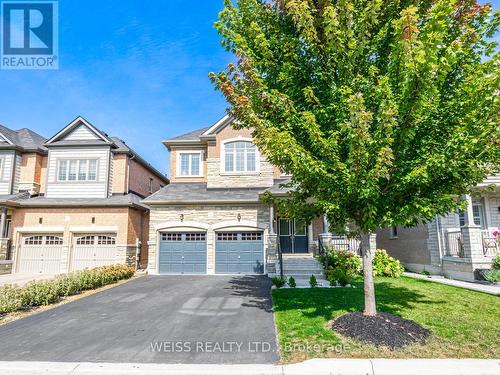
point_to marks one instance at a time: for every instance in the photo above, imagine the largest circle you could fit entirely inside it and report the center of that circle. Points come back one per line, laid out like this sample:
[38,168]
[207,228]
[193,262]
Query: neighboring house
[21,157]
[83,207]
[454,245]
[211,218]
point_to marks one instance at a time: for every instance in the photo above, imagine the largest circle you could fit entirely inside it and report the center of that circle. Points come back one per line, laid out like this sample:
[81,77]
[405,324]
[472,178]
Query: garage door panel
[239,252]
[93,250]
[41,253]
[183,253]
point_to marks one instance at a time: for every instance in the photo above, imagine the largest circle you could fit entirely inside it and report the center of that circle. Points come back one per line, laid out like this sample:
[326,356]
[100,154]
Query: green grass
[463,323]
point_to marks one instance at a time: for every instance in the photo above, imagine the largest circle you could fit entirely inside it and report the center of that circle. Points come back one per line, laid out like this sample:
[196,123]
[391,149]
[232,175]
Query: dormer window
[77,170]
[240,156]
[189,164]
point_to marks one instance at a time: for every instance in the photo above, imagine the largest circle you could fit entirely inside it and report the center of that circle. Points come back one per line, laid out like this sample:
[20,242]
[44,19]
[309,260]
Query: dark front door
[293,236]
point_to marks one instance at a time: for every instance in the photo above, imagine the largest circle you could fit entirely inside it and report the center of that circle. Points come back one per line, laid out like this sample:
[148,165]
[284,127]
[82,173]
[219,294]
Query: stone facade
[208,218]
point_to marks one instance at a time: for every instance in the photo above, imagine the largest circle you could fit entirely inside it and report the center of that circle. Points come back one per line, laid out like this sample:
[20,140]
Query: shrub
[344,259]
[291,282]
[426,273]
[279,282]
[312,281]
[11,299]
[39,293]
[493,276]
[496,263]
[341,276]
[385,265]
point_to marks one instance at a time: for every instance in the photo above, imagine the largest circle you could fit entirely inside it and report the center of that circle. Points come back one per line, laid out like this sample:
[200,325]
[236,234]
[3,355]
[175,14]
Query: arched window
[240,156]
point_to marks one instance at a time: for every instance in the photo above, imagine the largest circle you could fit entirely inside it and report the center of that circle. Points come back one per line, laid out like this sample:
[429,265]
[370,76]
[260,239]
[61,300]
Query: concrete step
[302,272]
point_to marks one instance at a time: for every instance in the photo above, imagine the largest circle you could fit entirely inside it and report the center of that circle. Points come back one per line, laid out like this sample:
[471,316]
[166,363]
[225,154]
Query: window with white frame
[150,185]
[77,170]
[240,156]
[189,164]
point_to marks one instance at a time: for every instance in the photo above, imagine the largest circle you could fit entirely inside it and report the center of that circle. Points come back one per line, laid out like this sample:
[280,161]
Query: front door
[293,236]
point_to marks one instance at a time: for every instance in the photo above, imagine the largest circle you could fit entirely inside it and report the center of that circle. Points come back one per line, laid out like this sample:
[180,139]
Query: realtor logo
[29,37]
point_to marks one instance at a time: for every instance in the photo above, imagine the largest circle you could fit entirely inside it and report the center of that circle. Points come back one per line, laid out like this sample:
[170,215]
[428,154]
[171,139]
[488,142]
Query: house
[76,202]
[453,245]
[211,218]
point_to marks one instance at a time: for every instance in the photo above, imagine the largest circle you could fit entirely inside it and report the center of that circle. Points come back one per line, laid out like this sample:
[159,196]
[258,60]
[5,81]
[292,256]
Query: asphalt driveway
[154,319]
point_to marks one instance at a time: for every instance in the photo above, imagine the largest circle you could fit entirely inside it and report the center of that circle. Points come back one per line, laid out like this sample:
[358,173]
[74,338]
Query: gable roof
[199,135]
[23,139]
[59,138]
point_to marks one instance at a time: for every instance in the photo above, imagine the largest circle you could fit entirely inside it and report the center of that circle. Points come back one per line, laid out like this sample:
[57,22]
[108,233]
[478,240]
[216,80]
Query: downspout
[440,247]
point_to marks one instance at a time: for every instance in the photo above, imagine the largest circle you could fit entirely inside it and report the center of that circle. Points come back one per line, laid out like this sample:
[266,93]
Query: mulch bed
[381,330]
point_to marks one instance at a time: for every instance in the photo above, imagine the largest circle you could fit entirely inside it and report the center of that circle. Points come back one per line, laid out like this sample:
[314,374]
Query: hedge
[38,293]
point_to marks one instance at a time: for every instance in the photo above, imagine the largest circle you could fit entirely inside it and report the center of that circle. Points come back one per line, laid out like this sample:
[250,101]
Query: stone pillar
[272,253]
[4,248]
[326,239]
[3,219]
[326,227]
[471,234]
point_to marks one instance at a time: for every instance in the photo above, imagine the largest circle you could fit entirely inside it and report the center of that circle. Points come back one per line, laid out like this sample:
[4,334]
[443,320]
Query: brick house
[77,203]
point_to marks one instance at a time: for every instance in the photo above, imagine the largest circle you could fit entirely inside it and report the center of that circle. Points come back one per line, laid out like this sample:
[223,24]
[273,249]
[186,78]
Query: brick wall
[139,179]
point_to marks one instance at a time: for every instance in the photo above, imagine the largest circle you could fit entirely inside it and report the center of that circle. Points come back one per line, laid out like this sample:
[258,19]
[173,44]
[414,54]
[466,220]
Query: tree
[383,111]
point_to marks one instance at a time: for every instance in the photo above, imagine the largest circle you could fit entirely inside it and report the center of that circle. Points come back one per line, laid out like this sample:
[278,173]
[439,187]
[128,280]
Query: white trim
[6,139]
[222,153]
[181,224]
[216,125]
[40,229]
[77,122]
[178,163]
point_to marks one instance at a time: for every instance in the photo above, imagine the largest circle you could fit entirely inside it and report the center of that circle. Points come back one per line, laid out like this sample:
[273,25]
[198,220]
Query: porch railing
[346,243]
[455,245]
[491,247]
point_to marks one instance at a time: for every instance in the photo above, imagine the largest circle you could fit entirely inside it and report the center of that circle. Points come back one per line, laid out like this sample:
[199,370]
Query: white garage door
[40,253]
[93,250]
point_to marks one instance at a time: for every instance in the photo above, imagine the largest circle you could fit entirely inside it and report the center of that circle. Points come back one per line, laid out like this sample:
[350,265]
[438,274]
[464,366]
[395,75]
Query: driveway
[154,319]
[21,279]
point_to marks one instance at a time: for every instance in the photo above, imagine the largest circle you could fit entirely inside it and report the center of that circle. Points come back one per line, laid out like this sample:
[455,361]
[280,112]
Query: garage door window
[53,240]
[229,236]
[87,240]
[33,240]
[195,236]
[251,236]
[106,240]
[171,237]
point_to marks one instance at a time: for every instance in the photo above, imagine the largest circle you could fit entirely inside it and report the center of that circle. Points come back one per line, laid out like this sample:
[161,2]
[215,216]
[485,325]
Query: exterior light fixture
[239,217]
[181,217]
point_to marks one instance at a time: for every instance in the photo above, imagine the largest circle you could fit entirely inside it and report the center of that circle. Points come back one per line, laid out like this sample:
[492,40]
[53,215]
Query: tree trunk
[368,247]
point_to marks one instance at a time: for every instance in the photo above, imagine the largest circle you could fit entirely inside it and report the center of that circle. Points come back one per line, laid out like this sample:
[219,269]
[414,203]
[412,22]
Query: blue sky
[137,69]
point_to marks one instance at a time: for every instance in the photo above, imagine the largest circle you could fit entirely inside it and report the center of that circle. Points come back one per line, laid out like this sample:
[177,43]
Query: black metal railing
[280,257]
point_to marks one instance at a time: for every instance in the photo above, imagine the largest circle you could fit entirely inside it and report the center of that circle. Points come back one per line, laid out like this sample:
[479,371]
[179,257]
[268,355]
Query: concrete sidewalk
[315,366]
[477,287]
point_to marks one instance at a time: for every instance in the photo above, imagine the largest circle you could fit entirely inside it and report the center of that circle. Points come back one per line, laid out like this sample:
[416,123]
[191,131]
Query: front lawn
[463,323]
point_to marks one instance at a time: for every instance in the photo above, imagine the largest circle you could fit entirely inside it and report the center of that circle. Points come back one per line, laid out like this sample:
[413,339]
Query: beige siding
[78,189]
[6,175]
[81,133]
[17,173]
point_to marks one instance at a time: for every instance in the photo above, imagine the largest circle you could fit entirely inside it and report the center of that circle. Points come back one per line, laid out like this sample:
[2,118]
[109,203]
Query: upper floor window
[189,164]
[240,156]
[77,170]
[150,185]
